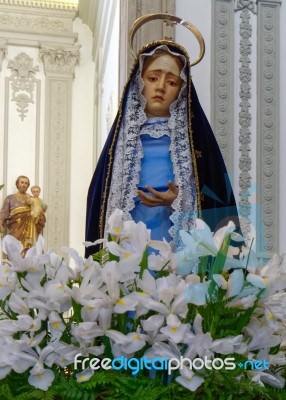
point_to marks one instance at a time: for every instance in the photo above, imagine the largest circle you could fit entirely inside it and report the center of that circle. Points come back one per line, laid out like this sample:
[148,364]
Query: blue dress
[156,171]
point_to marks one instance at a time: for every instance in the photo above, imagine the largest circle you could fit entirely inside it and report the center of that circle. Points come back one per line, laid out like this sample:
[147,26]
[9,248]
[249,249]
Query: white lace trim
[155,129]
[128,154]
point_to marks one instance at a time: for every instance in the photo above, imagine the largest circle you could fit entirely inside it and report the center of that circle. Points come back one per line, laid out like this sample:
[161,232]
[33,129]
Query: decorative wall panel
[23,82]
[222,77]
[268,126]
[245,8]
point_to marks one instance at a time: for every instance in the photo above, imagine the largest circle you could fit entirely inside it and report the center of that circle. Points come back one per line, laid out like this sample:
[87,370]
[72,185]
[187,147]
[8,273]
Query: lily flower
[137,341]
[41,378]
[174,329]
[261,377]
[189,379]
[197,293]
[56,325]
[115,224]
[8,279]
[230,345]
[204,242]
[85,375]
[256,280]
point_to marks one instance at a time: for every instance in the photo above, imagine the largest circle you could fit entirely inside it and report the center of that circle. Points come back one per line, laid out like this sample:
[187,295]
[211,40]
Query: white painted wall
[110,79]
[198,12]
[21,136]
[82,147]
[24,151]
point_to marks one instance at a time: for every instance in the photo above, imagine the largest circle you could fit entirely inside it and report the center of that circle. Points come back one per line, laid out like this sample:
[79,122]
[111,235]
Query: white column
[59,64]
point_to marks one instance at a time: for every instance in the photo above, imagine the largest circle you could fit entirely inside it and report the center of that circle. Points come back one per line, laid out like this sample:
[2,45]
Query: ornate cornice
[31,26]
[26,23]
[47,4]
[60,59]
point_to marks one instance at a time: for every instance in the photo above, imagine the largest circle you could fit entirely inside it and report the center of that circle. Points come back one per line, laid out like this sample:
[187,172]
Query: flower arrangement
[205,322]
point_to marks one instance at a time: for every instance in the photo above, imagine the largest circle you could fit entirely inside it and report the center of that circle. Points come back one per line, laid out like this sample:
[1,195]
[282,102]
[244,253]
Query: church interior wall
[49,136]
[82,148]
[23,143]
[199,12]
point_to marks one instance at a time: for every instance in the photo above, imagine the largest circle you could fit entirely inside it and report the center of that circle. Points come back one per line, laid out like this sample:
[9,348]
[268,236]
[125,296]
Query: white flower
[137,341]
[197,293]
[8,279]
[201,242]
[18,305]
[235,283]
[256,280]
[174,329]
[115,224]
[85,375]
[263,337]
[41,378]
[192,382]
[56,325]
[56,309]
[198,345]
[230,345]
[269,378]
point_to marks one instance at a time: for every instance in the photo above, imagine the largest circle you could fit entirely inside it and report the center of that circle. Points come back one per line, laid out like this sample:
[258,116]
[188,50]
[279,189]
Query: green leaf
[76,311]
[144,263]
[218,264]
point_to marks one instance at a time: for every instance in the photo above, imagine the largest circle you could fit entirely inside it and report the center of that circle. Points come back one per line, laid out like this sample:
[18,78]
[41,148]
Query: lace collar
[155,127]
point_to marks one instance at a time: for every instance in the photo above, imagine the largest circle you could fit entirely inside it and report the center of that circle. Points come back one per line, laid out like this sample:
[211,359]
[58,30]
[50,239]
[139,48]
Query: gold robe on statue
[19,222]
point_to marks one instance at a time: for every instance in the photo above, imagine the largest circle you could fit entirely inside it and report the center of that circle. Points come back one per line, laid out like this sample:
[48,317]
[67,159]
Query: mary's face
[162,84]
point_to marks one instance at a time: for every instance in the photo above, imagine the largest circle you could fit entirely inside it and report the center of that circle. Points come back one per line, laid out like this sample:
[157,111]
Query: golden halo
[171,19]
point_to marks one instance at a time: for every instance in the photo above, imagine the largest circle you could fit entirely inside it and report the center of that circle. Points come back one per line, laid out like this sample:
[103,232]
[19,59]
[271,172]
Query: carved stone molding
[22,24]
[268,126]
[222,77]
[3,51]
[60,60]
[49,4]
[57,160]
[26,23]
[22,82]
[245,7]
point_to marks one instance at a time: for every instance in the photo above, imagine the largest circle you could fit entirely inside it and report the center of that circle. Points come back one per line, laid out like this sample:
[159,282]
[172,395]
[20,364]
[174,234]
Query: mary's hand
[159,198]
